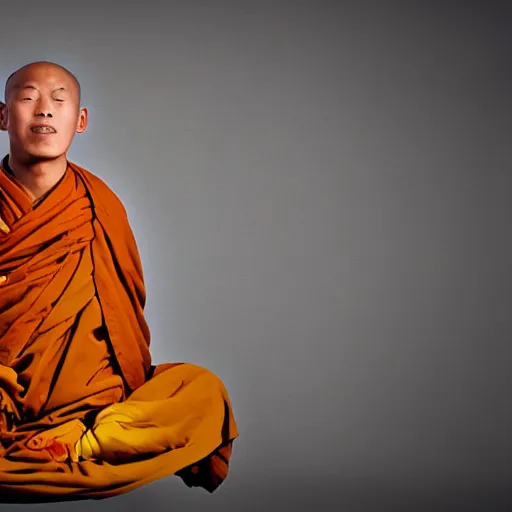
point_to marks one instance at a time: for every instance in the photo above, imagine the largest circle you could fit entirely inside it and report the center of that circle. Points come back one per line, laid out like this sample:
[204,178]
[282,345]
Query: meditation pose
[83,411]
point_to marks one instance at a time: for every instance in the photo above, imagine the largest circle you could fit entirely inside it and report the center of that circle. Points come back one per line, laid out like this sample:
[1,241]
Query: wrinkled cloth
[83,412]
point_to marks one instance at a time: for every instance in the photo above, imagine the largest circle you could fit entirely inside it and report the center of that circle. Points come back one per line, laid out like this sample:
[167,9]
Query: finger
[38,442]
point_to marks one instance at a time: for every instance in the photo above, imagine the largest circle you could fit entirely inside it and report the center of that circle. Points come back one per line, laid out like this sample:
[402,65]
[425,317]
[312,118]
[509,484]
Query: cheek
[68,130]
[69,120]
[18,118]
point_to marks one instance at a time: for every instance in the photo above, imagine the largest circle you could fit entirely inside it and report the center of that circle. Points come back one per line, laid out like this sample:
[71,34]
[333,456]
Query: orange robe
[83,412]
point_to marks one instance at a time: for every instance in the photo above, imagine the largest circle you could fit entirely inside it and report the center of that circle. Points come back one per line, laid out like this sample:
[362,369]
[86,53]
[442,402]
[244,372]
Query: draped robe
[83,412]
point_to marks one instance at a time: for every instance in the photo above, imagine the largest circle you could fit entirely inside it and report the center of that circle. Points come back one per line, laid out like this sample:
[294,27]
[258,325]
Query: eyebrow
[29,86]
[18,86]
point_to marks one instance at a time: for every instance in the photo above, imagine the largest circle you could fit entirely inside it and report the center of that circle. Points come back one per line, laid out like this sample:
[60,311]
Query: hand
[59,441]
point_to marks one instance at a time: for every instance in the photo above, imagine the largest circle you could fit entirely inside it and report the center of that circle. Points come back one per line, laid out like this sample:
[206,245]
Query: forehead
[42,77]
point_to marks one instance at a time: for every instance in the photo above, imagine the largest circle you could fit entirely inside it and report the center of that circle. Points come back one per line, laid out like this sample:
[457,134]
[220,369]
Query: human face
[42,113]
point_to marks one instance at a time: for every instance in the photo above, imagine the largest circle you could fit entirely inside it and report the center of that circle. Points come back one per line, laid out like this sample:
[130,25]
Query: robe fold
[83,412]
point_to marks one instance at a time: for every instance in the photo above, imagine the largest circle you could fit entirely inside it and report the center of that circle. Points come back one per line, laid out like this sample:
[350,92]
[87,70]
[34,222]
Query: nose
[43,108]
[43,113]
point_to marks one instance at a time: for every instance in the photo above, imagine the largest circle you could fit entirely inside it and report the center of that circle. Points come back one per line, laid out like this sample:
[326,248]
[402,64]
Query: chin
[40,155]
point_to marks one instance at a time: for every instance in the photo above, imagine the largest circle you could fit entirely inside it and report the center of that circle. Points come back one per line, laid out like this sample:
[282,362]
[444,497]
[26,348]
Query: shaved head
[42,112]
[11,82]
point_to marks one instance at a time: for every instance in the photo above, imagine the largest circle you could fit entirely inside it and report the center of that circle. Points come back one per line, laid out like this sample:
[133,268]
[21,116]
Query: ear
[83,119]
[3,117]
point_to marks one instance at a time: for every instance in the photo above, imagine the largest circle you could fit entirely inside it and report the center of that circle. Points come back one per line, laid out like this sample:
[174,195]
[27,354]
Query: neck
[40,177]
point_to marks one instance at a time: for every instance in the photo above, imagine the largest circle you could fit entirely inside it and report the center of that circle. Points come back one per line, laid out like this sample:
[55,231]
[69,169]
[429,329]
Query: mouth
[42,128]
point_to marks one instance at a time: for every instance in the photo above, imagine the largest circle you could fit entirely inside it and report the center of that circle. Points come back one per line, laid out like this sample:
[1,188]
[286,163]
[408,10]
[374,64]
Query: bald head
[42,93]
[14,79]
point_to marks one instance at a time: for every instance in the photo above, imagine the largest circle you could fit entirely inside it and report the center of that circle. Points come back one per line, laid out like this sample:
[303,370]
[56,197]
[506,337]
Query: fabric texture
[83,412]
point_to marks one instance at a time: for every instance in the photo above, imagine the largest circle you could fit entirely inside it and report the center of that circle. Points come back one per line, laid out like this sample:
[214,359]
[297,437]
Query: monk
[83,411]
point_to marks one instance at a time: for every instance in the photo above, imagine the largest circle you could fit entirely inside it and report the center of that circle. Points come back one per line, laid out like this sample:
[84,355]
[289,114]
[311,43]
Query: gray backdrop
[321,196]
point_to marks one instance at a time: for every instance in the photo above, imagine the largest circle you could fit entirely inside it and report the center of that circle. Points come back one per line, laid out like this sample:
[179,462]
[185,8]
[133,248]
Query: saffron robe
[83,412]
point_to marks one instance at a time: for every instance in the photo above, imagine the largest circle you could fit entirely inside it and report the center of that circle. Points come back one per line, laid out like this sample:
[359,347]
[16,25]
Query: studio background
[320,192]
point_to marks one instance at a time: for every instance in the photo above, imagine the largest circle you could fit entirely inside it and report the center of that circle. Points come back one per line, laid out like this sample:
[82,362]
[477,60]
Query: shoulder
[103,197]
